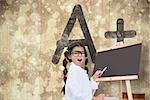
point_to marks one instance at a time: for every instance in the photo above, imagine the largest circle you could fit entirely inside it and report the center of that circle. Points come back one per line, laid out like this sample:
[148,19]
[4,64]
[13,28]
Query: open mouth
[79,60]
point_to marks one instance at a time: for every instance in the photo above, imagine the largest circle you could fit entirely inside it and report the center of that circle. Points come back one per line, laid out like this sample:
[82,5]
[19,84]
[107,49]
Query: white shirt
[78,86]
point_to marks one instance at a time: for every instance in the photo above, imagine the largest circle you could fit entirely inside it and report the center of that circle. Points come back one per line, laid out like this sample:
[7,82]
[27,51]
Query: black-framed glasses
[78,53]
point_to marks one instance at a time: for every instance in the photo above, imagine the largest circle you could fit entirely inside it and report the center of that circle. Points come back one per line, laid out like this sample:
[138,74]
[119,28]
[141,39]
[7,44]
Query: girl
[77,83]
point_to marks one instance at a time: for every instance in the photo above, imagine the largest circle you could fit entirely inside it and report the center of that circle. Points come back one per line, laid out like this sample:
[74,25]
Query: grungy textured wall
[29,30]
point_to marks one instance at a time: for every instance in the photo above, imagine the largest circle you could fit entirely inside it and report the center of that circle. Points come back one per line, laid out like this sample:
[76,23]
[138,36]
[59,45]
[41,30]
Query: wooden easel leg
[129,92]
[120,90]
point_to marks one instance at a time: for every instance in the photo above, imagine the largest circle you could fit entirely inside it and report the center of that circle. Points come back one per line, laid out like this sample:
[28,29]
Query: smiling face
[78,56]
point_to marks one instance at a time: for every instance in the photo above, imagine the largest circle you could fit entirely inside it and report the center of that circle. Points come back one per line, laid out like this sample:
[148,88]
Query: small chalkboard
[119,62]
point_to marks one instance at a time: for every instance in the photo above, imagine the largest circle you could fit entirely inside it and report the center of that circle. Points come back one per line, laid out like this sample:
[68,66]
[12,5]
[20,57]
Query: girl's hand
[94,98]
[97,74]
[99,97]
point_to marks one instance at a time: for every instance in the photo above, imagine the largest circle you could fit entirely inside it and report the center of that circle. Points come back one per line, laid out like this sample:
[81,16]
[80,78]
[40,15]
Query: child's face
[78,56]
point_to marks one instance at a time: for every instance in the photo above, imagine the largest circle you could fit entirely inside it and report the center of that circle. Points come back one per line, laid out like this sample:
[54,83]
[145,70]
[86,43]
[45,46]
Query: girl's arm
[93,83]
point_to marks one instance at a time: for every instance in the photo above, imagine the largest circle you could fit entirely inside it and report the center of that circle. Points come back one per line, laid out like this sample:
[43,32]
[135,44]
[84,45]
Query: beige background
[29,30]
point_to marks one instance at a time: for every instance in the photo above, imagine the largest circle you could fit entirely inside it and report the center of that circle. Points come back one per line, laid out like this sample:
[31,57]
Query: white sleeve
[75,87]
[93,84]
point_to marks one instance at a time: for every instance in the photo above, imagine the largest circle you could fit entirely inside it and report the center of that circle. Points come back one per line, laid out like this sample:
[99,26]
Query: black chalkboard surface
[120,62]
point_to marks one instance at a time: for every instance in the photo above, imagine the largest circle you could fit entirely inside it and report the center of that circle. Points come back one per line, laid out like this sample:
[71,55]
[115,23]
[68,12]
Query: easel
[121,78]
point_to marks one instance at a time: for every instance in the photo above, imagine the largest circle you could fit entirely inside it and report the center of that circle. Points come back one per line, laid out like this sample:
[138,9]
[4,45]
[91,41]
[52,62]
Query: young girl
[78,86]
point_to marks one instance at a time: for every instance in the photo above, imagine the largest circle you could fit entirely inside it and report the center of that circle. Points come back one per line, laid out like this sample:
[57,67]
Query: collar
[77,67]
